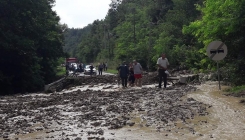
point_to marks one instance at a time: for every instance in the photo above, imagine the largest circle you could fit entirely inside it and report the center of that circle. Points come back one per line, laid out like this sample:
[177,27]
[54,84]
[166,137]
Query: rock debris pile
[89,114]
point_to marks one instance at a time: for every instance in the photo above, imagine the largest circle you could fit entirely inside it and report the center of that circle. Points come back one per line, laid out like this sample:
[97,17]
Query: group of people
[101,67]
[131,72]
[134,71]
[75,67]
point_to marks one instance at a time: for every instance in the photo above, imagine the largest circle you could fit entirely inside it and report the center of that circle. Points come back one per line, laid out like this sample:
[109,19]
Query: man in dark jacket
[101,66]
[91,69]
[67,68]
[123,71]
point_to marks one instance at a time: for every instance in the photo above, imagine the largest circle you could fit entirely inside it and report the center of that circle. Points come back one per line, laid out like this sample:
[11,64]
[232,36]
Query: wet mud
[227,114]
[103,111]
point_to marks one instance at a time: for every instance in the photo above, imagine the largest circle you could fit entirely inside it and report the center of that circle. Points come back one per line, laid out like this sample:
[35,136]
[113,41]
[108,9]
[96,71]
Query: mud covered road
[103,111]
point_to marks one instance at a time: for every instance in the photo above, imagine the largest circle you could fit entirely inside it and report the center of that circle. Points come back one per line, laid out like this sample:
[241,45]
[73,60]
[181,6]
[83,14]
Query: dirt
[240,94]
[102,111]
[227,115]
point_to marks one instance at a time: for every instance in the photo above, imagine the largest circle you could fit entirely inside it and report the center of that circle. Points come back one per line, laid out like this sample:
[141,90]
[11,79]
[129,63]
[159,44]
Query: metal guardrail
[47,87]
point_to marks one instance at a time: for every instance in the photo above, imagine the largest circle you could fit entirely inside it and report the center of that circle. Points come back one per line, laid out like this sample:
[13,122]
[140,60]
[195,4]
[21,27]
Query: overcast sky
[80,13]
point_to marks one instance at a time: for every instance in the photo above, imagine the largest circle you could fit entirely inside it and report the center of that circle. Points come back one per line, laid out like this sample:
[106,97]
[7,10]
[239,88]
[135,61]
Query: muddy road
[227,115]
[106,112]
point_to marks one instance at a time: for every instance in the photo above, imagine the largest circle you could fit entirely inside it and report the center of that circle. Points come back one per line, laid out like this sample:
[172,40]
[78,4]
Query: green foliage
[73,37]
[61,71]
[223,20]
[113,71]
[139,30]
[236,89]
[178,46]
[30,43]
[182,29]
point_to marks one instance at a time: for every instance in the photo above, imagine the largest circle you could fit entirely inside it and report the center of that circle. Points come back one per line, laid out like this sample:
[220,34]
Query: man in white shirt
[162,63]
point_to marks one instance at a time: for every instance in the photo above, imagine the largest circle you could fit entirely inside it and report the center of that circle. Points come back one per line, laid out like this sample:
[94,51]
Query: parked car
[87,70]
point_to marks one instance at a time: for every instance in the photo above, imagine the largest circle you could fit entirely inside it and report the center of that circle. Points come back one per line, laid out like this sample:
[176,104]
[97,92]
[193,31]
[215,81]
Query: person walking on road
[163,64]
[123,71]
[137,73]
[101,68]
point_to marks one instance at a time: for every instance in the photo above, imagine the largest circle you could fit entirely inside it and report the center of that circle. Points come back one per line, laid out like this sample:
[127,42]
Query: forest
[32,40]
[143,29]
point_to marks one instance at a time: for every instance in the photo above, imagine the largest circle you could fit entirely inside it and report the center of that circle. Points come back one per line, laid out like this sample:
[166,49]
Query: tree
[142,30]
[223,20]
[30,44]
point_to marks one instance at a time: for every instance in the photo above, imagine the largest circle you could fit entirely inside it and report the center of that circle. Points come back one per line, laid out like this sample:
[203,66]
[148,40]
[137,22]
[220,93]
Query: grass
[112,71]
[60,71]
[236,89]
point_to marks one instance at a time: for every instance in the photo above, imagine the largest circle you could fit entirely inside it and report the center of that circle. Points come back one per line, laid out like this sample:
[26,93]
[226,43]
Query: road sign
[217,50]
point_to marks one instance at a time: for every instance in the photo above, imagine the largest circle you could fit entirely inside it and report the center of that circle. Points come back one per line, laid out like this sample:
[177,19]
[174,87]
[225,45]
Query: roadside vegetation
[32,40]
[238,91]
[143,29]
[61,71]
[113,71]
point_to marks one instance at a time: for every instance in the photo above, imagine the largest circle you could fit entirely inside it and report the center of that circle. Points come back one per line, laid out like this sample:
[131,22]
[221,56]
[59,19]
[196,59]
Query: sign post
[217,51]
[218,74]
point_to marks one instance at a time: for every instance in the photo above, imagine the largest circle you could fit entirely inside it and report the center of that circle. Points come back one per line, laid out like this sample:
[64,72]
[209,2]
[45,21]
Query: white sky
[80,13]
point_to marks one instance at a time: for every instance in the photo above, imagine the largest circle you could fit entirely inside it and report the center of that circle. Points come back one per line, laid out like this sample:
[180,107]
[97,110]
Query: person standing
[123,71]
[106,65]
[67,68]
[131,78]
[137,73]
[80,67]
[163,64]
[103,64]
[91,69]
[100,68]
[72,67]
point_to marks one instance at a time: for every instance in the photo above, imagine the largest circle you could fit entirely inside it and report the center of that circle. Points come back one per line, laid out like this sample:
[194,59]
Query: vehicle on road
[71,60]
[87,70]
